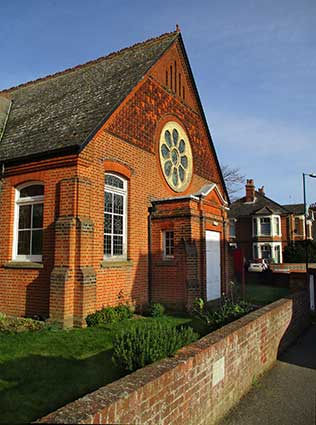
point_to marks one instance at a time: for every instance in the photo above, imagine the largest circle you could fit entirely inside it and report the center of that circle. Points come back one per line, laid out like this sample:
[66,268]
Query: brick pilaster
[73,279]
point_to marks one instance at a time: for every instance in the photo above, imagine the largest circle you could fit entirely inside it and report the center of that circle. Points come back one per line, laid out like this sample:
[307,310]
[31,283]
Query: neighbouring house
[262,228]
[110,189]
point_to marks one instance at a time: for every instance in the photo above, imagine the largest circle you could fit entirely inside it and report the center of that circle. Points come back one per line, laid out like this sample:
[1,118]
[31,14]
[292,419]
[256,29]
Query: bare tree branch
[234,180]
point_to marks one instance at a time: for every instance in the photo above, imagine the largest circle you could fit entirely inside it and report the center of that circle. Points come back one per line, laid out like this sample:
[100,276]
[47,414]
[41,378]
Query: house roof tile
[241,208]
[59,113]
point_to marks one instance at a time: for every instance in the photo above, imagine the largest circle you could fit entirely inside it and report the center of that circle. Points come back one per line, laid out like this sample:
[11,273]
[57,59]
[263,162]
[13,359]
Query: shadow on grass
[33,386]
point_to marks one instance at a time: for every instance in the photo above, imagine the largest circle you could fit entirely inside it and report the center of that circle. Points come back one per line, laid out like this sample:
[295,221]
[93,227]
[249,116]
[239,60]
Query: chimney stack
[261,190]
[250,191]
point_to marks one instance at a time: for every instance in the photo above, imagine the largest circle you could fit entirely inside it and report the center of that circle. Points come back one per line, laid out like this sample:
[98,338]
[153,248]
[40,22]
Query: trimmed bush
[124,312]
[138,346]
[154,310]
[109,315]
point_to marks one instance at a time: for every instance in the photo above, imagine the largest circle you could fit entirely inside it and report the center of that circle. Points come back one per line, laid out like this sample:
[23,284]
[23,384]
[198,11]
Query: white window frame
[301,219]
[259,246]
[123,192]
[164,243]
[31,200]
[272,218]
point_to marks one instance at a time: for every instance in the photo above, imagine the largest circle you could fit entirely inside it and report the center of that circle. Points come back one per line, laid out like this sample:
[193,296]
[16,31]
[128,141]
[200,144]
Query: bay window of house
[28,234]
[266,226]
[276,222]
[277,254]
[266,251]
[298,226]
[115,217]
[270,251]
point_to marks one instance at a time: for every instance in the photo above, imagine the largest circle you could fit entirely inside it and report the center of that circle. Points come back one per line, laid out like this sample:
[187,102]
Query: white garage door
[213,265]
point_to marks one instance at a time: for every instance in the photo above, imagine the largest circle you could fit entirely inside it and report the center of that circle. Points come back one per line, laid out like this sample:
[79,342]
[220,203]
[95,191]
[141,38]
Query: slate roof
[241,209]
[295,208]
[60,113]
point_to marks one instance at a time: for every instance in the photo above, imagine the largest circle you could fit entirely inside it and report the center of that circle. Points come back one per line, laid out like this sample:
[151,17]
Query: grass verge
[42,371]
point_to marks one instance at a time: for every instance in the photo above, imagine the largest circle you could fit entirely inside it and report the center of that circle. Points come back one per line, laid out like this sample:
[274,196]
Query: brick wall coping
[144,381]
[291,267]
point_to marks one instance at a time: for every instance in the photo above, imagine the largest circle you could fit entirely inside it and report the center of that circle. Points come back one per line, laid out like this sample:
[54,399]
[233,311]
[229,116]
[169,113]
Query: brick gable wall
[75,280]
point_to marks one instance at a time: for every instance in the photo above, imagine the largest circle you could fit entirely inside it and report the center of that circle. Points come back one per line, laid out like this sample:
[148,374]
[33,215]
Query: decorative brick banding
[203,381]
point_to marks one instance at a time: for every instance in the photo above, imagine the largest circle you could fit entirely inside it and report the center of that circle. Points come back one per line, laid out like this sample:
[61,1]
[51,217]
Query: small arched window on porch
[28,222]
[115,217]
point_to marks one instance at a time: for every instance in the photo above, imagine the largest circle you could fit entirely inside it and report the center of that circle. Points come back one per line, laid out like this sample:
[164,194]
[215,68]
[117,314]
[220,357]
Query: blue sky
[254,64]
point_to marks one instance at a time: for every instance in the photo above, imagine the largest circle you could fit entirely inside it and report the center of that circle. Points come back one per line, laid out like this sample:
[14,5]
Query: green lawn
[42,371]
[263,294]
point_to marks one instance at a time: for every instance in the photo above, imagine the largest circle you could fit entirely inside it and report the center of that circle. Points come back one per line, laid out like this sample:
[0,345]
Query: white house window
[271,251]
[266,226]
[115,217]
[277,254]
[266,251]
[29,222]
[168,243]
[276,225]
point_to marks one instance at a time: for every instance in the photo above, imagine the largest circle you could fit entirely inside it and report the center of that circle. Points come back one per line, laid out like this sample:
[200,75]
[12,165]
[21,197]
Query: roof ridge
[86,64]
[269,199]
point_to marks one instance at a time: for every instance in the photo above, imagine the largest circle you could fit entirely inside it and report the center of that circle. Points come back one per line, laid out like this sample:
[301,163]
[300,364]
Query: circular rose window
[175,156]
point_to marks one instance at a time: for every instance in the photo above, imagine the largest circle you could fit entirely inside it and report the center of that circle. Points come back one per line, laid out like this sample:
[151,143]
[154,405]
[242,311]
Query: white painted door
[213,265]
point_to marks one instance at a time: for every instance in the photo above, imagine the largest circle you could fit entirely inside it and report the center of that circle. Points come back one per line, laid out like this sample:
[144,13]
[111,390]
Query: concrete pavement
[287,394]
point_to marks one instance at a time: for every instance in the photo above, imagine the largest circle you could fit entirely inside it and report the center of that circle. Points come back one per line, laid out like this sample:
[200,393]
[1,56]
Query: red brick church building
[110,188]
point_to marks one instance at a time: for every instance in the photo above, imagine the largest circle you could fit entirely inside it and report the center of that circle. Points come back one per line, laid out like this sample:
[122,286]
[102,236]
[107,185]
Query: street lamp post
[305,221]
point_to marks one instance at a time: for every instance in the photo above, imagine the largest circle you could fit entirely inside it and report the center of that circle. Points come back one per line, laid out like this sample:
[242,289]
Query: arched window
[28,236]
[115,217]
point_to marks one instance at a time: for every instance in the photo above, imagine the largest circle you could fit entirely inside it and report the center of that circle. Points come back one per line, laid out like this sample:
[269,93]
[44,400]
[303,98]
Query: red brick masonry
[203,381]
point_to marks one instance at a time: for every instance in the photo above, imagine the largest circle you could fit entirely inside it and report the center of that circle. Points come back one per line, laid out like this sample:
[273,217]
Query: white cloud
[273,153]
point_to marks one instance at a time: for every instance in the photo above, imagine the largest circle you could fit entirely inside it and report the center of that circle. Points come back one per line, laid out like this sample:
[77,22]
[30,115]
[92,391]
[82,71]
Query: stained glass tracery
[175,156]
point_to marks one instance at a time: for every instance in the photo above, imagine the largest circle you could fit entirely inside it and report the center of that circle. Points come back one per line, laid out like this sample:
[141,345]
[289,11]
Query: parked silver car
[258,265]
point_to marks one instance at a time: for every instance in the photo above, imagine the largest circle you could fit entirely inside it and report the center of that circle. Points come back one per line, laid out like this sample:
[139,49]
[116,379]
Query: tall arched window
[28,236]
[115,217]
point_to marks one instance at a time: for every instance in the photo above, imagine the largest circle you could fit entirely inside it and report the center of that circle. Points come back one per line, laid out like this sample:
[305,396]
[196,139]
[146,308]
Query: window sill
[23,265]
[105,264]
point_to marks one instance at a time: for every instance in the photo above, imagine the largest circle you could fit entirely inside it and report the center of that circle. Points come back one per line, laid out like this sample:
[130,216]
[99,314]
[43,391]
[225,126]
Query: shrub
[154,310]
[141,345]
[295,253]
[124,312]
[20,324]
[228,312]
[109,315]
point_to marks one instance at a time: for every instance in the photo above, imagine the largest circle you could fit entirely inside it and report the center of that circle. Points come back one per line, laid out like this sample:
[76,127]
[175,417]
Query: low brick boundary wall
[291,267]
[203,381]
